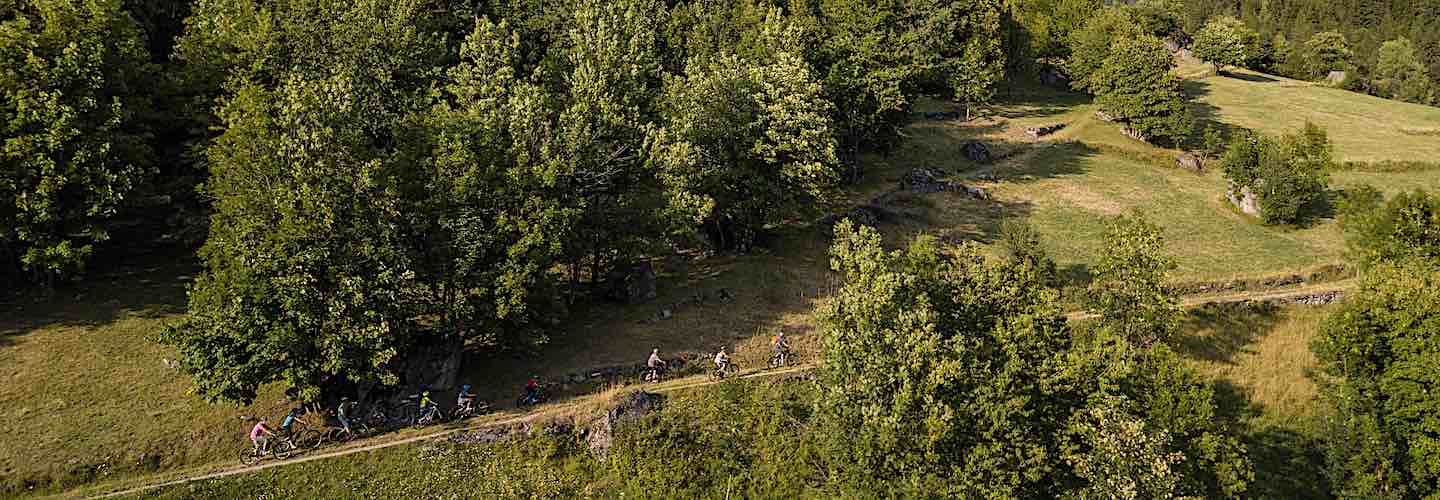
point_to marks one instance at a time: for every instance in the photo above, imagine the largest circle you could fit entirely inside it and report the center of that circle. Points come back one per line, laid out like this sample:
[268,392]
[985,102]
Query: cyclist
[288,425]
[427,405]
[655,363]
[342,413]
[259,433]
[465,399]
[532,390]
[722,361]
[780,347]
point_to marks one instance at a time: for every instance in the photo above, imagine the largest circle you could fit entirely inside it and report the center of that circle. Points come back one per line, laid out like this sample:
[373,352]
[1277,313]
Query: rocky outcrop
[1038,132]
[1189,161]
[600,435]
[976,151]
[1244,199]
[1134,134]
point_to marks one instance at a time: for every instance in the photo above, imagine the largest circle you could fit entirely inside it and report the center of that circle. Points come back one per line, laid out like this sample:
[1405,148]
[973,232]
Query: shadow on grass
[1249,77]
[1289,463]
[1218,332]
[146,286]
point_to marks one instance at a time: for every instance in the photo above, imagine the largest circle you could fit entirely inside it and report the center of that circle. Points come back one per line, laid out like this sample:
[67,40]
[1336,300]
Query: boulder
[601,434]
[1172,45]
[1038,132]
[1244,199]
[1134,134]
[1103,116]
[1189,161]
[922,180]
[1335,77]
[632,284]
[976,151]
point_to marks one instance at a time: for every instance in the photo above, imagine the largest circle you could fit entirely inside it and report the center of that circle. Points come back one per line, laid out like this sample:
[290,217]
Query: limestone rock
[601,433]
[1189,161]
[1103,116]
[976,151]
[1134,134]
[1244,199]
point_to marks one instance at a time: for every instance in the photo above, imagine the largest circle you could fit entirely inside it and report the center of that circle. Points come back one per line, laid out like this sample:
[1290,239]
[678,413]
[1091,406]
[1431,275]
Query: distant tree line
[1388,48]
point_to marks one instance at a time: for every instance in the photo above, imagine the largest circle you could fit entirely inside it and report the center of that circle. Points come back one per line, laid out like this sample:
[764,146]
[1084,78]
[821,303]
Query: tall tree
[309,280]
[1128,291]
[606,91]
[867,64]
[1381,350]
[745,143]
[1226,41]
[1400,75]
[948,374]
[1134,84]
[72,144]
[1378,230]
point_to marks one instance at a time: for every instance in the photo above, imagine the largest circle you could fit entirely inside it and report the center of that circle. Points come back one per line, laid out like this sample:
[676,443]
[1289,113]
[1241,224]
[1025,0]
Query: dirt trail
[213,472]
[219,472]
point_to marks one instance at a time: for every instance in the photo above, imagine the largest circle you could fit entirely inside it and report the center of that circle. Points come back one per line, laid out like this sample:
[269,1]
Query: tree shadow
[1206,115]
[1249,77]
[1289,463]
[148,285]
[1217,332]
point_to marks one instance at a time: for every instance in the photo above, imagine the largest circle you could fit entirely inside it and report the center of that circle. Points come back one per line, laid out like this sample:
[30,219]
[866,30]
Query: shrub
[1284,174]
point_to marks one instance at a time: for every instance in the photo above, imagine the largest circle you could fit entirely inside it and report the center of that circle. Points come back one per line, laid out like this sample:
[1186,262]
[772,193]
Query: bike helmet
[465,387]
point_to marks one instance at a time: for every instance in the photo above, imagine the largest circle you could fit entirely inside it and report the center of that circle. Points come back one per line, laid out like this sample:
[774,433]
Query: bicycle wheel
[283,449]
[248,456]
[311,440]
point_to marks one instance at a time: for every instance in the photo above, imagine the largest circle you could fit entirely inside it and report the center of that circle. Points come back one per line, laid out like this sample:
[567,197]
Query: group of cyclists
[428,411]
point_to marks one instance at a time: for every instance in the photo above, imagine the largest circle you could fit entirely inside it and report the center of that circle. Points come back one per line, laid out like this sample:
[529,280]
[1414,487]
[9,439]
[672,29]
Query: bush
[1285,175]
[1377,230]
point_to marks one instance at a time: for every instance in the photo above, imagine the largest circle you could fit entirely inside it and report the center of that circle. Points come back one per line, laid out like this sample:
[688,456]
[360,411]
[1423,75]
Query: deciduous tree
[72,144]
[1226,41]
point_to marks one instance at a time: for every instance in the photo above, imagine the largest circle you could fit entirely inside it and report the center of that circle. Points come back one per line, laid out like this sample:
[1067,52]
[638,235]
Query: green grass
[87,396]
[1260,359]
[1363,128]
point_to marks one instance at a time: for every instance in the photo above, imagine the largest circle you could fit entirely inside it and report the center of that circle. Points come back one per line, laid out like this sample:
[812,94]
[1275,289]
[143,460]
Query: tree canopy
[73,141]
[947,373]
[1226,41]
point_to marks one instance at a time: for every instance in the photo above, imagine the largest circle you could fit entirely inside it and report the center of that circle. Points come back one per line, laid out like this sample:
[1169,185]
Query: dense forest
[363,180]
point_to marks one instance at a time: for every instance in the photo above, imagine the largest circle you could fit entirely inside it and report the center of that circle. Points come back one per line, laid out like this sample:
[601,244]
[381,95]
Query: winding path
[503,419]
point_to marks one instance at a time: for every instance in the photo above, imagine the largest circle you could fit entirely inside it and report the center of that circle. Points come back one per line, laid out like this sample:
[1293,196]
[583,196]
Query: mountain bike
[278,447]
[431,414]
[461,412]
[531,399]
[338,435]
[719,373]
[780,358]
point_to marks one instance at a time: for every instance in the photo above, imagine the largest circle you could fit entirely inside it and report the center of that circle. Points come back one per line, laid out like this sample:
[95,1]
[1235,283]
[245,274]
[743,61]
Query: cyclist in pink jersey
[259,433]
